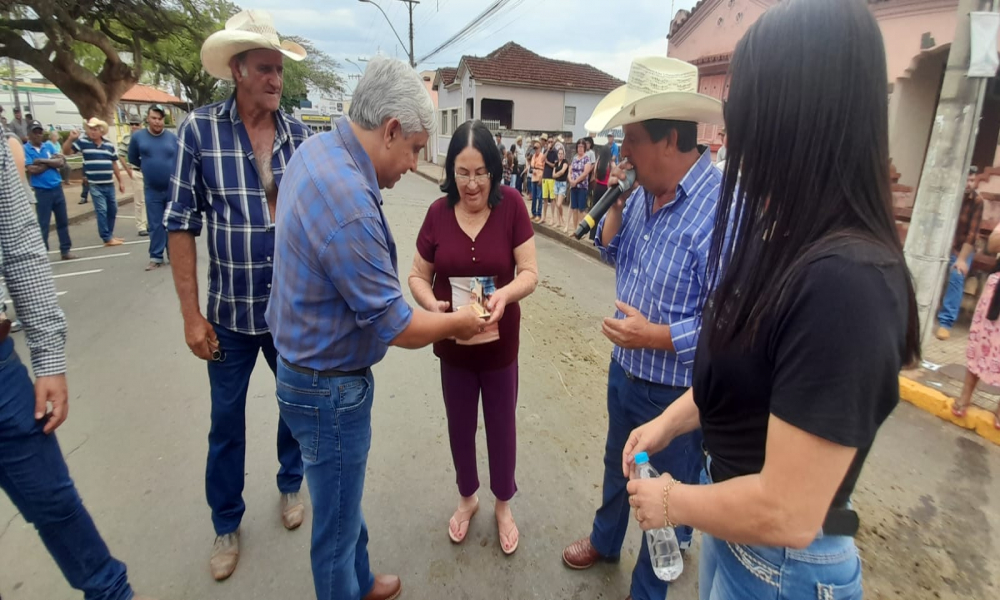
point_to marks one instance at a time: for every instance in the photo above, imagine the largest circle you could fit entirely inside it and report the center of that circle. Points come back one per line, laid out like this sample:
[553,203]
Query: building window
[569,115]
[497,114]
[454,120]
[444,122]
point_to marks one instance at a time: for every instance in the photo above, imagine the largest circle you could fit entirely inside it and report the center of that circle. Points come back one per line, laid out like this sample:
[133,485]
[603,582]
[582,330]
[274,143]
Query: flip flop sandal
[501,535]
[471,512]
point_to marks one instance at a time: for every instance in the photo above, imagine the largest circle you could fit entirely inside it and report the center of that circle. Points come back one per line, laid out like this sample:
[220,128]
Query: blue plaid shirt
[216,178]
[336,301]
[660,265]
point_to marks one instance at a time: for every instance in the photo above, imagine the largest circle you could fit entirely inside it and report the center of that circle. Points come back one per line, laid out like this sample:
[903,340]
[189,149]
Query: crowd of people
[562,179]
[735,364]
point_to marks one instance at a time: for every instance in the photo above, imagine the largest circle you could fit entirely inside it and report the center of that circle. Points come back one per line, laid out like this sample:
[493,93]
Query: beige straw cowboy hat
[246,30]
[657,88]
[95,122]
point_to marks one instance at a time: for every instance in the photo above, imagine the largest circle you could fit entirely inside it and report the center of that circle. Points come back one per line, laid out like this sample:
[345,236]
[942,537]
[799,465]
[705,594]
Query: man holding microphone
[658,243]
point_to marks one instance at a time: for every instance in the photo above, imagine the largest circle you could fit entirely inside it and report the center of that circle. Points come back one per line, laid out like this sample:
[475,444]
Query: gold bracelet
[666,501]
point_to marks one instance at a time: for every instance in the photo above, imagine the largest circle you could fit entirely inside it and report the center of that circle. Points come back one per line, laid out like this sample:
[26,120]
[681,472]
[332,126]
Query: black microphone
[605,203]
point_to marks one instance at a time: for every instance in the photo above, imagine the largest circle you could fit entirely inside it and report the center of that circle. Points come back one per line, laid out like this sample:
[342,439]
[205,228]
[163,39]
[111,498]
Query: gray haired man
[336,306]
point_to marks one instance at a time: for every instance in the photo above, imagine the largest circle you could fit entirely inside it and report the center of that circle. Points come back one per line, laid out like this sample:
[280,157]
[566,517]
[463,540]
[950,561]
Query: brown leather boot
[292,510]
[225,555]
[387,587]
[581,554]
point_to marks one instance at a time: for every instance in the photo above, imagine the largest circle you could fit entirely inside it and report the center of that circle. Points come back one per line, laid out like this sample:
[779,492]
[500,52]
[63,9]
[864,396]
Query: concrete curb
[939,405]
[586,247]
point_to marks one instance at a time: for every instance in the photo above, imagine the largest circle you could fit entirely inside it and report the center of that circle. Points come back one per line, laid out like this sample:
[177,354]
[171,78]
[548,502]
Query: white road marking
[91,272]
[102,246]
[76,260]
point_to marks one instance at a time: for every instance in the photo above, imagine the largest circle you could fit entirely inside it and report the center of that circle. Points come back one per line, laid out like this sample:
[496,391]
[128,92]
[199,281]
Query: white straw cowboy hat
[95,122]
[246,30]
[657,88]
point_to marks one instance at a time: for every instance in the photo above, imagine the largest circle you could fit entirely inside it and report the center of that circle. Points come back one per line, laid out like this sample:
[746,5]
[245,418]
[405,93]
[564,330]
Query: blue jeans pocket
[353,395]
[354,415]
[762,562]
[300,411]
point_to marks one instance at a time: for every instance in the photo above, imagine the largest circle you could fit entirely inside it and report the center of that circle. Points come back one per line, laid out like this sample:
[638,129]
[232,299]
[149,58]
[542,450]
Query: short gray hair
[241,62]
[392,89]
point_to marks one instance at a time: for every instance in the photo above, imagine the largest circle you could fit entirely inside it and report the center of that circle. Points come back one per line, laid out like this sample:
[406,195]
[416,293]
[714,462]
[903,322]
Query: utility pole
[410,5]
[942,183]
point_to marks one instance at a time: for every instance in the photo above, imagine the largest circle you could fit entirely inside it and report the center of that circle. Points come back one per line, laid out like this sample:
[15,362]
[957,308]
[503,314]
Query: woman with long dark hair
[811,317]
[477,243]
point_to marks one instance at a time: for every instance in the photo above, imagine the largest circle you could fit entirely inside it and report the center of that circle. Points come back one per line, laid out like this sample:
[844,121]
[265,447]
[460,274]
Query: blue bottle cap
[641,458]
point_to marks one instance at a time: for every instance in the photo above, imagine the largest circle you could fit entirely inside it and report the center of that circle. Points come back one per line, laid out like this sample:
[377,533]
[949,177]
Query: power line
[484,17]
[492,32]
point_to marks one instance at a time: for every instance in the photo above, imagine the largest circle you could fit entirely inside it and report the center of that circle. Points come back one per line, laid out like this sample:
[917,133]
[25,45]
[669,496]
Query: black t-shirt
[560,164]
[827,363]
[551,157]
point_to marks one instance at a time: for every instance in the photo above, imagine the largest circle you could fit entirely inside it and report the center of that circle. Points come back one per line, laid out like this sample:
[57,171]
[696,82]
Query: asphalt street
[136,442]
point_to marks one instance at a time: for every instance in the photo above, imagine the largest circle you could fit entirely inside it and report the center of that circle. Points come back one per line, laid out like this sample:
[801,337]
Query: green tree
[92,50]
[317,72]
[178,54]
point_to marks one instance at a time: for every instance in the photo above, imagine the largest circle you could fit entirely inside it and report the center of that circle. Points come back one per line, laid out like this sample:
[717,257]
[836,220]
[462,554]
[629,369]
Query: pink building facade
[917,34]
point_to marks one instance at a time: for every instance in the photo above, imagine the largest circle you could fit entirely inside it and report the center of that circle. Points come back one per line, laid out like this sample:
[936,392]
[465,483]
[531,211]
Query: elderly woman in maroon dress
[478,236]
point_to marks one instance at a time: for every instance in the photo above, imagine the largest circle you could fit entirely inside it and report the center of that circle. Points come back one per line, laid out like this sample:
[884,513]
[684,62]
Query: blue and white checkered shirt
[216,177]
[25,265]
[660,262]
[337,301]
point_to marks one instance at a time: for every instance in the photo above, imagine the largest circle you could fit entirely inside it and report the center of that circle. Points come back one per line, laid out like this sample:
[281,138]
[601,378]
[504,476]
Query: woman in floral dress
[983,352]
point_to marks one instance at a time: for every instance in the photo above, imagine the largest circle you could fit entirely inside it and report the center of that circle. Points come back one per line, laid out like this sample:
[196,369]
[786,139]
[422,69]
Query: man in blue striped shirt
[658,243]
[230,162]
[100,164]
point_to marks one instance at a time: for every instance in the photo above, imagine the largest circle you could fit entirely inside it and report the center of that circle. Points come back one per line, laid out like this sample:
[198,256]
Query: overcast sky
[597,32]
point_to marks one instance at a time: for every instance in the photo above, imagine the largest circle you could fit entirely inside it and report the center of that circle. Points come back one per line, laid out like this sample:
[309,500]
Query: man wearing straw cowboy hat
[100,162]
[658,242]
[230,160]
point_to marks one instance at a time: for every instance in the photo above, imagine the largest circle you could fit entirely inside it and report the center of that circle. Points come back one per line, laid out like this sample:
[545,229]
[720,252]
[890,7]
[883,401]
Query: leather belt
[5,326]
[326,373]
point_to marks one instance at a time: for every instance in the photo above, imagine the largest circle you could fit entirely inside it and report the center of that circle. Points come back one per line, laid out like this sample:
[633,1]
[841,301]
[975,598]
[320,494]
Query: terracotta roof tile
[515,64]
[447,75]
[143,94]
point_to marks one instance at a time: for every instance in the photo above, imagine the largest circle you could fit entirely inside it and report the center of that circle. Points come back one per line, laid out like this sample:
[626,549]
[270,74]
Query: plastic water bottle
[664,551]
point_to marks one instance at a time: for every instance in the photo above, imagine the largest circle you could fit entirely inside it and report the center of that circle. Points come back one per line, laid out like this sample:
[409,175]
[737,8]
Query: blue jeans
[106,207]
[35,477]
[829,569]
[536,199]
[631,403]
[227,440]
[48,203]
[578,199]
[331,417]
[952,301]
[156,205]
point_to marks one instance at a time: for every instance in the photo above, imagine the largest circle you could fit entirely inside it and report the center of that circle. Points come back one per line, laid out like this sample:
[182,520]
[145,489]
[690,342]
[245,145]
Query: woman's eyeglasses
[465,179]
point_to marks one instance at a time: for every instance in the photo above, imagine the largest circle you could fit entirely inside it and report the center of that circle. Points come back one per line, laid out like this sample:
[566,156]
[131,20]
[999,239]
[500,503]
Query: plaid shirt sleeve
[26,267]
[187,192]
[359,263]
